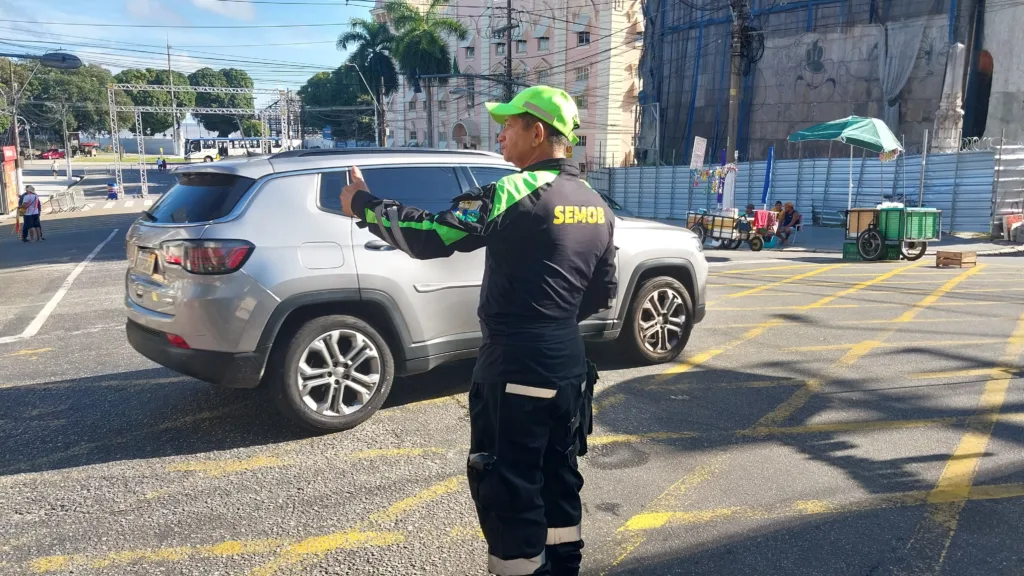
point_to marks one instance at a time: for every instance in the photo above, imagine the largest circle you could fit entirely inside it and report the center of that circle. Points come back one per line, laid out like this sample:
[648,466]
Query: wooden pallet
[956,259]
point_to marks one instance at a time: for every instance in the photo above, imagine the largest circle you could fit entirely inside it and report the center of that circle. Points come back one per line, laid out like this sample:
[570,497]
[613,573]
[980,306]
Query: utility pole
[382,128]
[174,104]
[17,141]
[67,147]
[739,17]
[509,90]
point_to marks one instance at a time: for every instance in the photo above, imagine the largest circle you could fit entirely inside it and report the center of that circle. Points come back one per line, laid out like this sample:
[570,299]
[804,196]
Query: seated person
[750,211]
[778,206]
[788,222]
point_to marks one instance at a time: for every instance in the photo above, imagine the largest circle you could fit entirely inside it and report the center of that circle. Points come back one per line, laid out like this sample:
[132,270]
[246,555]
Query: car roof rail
[310,152]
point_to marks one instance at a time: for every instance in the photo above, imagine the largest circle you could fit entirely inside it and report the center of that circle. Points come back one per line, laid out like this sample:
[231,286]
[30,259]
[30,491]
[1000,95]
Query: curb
[992,252]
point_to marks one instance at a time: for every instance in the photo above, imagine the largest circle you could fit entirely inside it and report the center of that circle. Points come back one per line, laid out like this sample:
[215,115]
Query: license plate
[144,262]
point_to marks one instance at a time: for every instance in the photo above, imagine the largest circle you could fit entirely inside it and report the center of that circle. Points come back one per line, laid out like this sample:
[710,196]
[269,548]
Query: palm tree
[372,56]
[421,44]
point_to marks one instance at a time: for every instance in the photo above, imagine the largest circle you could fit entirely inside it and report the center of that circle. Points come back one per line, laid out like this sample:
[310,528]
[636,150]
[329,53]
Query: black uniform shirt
[550,263]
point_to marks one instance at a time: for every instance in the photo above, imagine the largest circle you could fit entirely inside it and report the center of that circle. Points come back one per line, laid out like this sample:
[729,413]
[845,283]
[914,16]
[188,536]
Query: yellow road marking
[913,344]
[385,452]
[607,402]
[289,552]
[961,373]
[320,545]
[223,549]
[215,468]
[627,542]
[789,280]
[857,351]
[432,493]
[703,357]
[872,305]
[748,270]
[860,286]
[604,439]
[35,352]
[654,520]
[928,547]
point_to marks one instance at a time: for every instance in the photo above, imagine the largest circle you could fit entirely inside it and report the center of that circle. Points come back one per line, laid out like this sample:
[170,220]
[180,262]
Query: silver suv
[245,273]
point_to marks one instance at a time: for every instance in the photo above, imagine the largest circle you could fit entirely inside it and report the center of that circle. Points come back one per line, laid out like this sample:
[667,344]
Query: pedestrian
[32,205]
[550,263]
[53,168]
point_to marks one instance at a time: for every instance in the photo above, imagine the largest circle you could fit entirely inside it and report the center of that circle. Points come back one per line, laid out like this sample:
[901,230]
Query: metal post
[174,104]
[924,161]
[115,141]
[67,145]
[993,204]
[140,139]
[17,139]
[952,203]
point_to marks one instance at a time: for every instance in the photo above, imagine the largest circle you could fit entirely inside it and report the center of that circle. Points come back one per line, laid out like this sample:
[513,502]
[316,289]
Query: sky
[120,34]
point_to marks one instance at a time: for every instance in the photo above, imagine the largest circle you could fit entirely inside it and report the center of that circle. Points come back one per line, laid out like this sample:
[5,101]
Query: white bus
[214,148]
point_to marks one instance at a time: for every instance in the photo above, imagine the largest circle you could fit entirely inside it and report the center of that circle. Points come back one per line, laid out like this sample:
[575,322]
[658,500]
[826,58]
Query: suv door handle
[378,245]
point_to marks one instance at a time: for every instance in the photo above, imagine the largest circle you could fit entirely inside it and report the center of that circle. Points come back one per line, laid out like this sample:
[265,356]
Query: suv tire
[660,303]
[339,354]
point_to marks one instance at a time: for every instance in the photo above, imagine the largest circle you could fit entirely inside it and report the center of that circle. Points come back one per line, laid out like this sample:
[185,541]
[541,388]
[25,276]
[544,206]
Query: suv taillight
[207,256]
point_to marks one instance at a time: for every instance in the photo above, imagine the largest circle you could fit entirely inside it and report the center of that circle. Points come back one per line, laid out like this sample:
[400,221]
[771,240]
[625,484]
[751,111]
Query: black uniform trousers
[523,475]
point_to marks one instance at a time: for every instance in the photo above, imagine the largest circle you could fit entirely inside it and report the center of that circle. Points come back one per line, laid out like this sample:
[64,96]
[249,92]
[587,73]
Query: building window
[582,38]
[583,142]
[583,167]
[542,76]
[442,106]
[499,49]
[583,73]
[520,46]
[412,136]
[543,44]
[471,92]
[412,106]
[470,52]
[442,135]
[581,101]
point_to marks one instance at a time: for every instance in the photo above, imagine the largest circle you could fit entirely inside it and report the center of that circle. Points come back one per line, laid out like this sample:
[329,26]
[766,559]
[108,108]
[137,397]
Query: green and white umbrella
[868,133]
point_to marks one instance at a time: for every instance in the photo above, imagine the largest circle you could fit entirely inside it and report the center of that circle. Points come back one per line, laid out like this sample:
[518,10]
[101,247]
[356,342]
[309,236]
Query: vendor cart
[876,230]
[733,230]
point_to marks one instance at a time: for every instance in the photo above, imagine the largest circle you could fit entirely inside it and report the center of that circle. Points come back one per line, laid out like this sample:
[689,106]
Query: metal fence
[959,184]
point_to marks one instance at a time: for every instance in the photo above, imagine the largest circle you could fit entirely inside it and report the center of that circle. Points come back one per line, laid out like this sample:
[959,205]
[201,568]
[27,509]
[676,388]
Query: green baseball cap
[551,105]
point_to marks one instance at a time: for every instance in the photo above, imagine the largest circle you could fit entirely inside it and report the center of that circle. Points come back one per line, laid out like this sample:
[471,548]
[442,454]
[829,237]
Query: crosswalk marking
[129,203]
[147,203]
[108,205]
[87,207]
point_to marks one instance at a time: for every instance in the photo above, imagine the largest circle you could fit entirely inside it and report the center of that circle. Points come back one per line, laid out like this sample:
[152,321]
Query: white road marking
[147,203]
[108,205]
[87,207]
[37,323]
[129,203]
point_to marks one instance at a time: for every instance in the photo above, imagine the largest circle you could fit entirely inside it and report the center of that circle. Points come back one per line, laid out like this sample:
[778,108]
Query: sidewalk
[46,188]
[827,240]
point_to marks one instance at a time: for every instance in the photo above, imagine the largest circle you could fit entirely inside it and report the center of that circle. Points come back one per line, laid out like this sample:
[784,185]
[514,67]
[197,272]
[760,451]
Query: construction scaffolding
[261,115]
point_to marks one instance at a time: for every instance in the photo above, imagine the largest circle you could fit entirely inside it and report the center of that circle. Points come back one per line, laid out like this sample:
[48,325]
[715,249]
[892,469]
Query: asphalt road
[827,418]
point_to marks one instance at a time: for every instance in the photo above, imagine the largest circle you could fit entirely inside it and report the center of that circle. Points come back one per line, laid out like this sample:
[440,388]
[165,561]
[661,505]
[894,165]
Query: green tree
[156,122]
[421,44]
[222,124]
[341,87]
[373,43]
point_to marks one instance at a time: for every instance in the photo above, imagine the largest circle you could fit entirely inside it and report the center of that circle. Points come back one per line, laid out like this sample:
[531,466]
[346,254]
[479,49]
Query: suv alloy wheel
[335,372]
[659,322]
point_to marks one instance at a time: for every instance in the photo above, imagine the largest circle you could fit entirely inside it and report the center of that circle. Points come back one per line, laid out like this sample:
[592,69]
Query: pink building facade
[590,49]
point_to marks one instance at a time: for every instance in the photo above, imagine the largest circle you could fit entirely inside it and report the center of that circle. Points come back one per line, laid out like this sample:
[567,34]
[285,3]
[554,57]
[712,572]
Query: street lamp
[376,105]
[58,60]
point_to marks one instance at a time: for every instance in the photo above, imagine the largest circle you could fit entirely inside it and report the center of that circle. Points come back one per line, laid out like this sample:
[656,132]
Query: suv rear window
[200,197]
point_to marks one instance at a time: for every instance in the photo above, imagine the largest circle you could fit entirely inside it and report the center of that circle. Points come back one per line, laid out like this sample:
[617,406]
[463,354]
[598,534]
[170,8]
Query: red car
[52,154]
